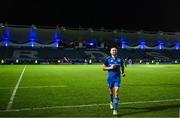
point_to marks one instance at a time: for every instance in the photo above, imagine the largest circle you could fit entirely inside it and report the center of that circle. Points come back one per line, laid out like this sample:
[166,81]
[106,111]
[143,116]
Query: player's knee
[110,91]
[116,90]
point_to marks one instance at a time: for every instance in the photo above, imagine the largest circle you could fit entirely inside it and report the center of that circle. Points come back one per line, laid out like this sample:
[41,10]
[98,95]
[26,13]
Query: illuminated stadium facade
[31,44]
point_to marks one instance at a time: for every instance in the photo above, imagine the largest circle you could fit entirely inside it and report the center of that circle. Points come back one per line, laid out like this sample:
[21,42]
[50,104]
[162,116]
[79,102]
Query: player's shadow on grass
[145,109]
[159,85]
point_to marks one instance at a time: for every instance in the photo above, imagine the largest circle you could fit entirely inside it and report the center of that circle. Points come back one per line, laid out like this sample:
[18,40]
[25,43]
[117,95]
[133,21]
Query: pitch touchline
[90,105]
[34,87]
[15,90]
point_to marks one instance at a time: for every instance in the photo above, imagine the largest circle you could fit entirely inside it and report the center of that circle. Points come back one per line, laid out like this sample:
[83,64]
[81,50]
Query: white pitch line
[35,87]
[89,105]
[15,90]
[60,86]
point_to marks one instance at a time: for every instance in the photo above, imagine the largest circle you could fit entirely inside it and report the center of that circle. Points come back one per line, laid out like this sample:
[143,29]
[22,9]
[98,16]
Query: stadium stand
[66,45]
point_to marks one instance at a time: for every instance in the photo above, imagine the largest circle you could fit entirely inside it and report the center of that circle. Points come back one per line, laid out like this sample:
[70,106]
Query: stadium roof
[153,15]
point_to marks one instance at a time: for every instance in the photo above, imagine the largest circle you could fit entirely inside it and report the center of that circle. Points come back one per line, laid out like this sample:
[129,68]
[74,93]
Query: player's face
[113,51]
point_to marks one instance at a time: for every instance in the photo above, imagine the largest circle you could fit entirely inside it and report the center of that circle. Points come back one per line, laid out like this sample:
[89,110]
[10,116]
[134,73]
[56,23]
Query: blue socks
[116,100]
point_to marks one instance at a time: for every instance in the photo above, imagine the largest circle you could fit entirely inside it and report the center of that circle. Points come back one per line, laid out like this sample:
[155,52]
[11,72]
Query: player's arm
[123,69]
[105,68]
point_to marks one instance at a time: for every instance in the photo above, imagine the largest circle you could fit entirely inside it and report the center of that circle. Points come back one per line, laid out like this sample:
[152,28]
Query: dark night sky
[148,15]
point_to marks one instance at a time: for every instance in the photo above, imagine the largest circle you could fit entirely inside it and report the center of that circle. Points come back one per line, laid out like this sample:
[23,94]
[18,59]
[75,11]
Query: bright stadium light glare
[17,61]
[2,61]
[122,40]
[57,44]
[57,39]
[33,35]
[6,42]
[32,44]
[123,44]
[91,43]
[177,46]
[6,37]
[142,45]
[160,45]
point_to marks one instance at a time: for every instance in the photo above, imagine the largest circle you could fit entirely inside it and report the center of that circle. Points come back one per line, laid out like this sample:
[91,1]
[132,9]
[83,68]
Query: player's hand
[123,74]
[113,66]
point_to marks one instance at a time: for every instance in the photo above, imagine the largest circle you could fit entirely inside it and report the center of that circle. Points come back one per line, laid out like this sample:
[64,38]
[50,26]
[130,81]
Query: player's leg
[116,95]
[116,100]
[110,86]
[111,97]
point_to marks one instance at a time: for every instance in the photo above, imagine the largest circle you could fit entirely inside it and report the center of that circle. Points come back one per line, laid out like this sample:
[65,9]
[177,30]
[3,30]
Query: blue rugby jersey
[113,73]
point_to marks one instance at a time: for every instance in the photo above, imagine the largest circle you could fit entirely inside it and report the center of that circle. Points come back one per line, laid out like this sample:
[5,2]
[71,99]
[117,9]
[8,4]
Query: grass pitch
[81,91]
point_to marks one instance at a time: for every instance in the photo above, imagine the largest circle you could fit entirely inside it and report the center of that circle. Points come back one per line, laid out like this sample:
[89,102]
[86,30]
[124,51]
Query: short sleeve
[106,62]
